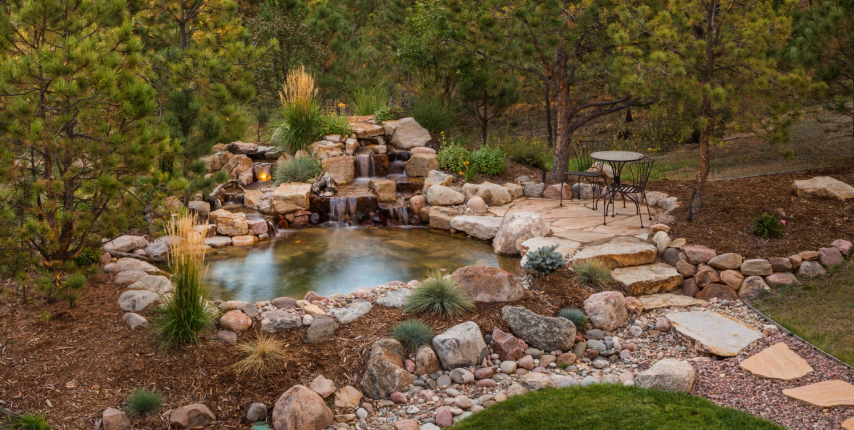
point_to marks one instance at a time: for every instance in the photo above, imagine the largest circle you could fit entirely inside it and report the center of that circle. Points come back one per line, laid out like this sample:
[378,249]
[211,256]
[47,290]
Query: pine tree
[75,126]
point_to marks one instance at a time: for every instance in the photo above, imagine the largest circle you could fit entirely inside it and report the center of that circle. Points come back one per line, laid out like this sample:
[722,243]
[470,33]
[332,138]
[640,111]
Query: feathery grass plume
[303,120]
[297,170]
[577,317]
[412,334]
[592,272]
[184,313]
[438,295]
[30,422]
[143,402]
[261,356]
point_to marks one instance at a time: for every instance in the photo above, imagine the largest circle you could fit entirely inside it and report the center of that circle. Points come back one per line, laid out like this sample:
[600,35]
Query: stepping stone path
[848,424]
[669,300]
[718,334]
[777,362]
[825,394]
[646,279]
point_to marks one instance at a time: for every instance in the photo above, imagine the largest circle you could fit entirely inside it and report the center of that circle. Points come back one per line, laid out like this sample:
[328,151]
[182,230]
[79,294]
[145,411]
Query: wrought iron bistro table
[617,160]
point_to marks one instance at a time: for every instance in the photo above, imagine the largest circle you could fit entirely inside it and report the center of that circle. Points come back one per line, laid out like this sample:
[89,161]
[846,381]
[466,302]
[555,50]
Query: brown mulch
[85,360]
[731,205]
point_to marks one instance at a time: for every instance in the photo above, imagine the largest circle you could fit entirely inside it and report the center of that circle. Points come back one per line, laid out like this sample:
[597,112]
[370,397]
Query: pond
[340,260]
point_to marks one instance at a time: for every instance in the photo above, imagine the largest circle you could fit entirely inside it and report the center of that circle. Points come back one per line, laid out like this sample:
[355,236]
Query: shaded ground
[605,407]
[731,205]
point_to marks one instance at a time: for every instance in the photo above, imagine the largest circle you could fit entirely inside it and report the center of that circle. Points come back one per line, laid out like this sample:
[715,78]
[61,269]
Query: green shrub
[489,160]
[432,114]
[143,402]
[529,152]
[412,334]
[385,113]
[30,422]
[335,124]
[544,260]
[592,272]
[577,317]
[58,287]
[438,295]
[454,157]
[184,313]
[367,100]
[303,119]
[87,257]
[297,170]
[768,225]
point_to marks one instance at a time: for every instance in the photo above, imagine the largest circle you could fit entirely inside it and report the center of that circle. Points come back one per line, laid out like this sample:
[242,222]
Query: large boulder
[277,320]
[830,257]
[809,270]
[386,189]
[489,284]
[668,375]
[196,415]
[137,300]
[155,283]
[647,279]
[729,261]
[436,177]
[492,194]
[385,373]
[126,243]
[752,287]
[541,332]
[321,330]
[126,263]
[342,169]
[441,216]
[460,346]
[291,197]
[618,253]
[440,195]
[824,187]
[420,165]
[481,227]
[756,267]
[718,291]
[326,149]
[301,409]
[698,254]
[230,223]
[606,310]
[515,229]
[406,133]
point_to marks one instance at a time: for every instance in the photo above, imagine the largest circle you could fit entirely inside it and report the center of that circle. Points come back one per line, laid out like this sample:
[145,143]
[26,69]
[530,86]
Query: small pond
[340,260]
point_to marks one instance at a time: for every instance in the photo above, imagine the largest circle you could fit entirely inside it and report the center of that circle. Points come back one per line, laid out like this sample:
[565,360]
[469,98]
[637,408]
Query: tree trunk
[485,119]
[564,136]
[549,114]
[702,174]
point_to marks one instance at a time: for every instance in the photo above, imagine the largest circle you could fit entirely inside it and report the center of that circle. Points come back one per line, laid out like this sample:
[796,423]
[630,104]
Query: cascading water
[343,212]
[365,167]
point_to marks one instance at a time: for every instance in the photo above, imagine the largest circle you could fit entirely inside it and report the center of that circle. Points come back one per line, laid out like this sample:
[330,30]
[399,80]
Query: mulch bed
[85,360]
[731,205]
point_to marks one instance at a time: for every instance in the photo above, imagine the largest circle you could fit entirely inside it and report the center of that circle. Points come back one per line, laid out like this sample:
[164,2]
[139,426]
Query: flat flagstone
[848,424]
[716,333]
[826,394]
[777,362]
[667,300]
[582,236]
[647,279]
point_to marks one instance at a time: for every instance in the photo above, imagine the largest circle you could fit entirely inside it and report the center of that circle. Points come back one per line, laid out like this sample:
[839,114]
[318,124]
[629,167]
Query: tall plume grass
[303,119]
[184,313]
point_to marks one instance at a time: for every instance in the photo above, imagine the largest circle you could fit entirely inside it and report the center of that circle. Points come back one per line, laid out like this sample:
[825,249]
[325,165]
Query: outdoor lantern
[262,172]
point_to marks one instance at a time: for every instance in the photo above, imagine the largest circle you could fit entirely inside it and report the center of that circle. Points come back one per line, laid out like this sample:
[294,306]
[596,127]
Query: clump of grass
[366,100]
[438,295]
[592,272]
[303,119]
[297,170]
[143,402]
[261,356]
[184,314]
[412,334]
[577,317]
[30,422]
[432,114]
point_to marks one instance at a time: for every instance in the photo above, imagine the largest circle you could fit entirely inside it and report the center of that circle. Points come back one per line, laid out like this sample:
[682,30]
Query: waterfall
[398,217]
[344,211]
[365,167]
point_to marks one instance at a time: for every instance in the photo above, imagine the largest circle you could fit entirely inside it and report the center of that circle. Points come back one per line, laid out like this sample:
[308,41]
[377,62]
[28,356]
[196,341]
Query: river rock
[536,381]
[277,320]
[541,332]
[395,298]
[824,187]
[235,321]
[781,279]
[534,190]
[618,253]
[426,361]
[406,133]
[809,270]
[114,419]
[129,277]
[321,330]
[752,287]
[481,227]
[844,246]
[322,386]
[706,275]
[384,373]
[507,346]
[668,375]
[299,408]
[781,264]
[606,310]
[477,206]
[351,313]
[733,278]
[420,165]
[727,261]
[136,300]
[126,243]
[440,195]
[554,192]
[517,228]
[460,346]
[647,279]
[127,263]
[492,194]
[436,177]
[756,267]
[698,254]
[134,320]
[830,257]
[489,284]
[154,283]
[347,397]
[191,416]
[719,291]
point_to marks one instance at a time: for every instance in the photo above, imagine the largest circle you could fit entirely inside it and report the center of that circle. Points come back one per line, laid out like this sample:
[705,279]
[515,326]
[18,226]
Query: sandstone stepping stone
[848,424]
[716,333]
[647,279]
[824,187]
[824,394]
[481,227]
[619,254]
[667,300]
[777,362]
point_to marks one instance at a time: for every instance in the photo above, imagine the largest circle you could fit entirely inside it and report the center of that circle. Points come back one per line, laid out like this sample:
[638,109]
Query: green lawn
[820,311]
[604,407]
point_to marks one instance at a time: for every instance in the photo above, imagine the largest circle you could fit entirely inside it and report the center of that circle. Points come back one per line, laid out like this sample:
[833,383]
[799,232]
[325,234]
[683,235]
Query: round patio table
[617,160]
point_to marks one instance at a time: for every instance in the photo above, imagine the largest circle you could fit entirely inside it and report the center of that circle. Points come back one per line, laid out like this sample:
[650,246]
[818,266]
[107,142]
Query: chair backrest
[580,151]
[640,171]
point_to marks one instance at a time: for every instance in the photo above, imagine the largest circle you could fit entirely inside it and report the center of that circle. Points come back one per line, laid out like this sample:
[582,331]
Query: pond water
[340,260]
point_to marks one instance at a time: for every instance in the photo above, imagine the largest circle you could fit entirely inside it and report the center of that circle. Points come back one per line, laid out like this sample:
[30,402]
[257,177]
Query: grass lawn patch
[604,407]
[819,311]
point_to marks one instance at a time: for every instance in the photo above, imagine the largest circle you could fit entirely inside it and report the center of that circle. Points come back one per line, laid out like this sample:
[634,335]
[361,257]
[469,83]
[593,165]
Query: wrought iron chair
[639,172]
[582,161]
